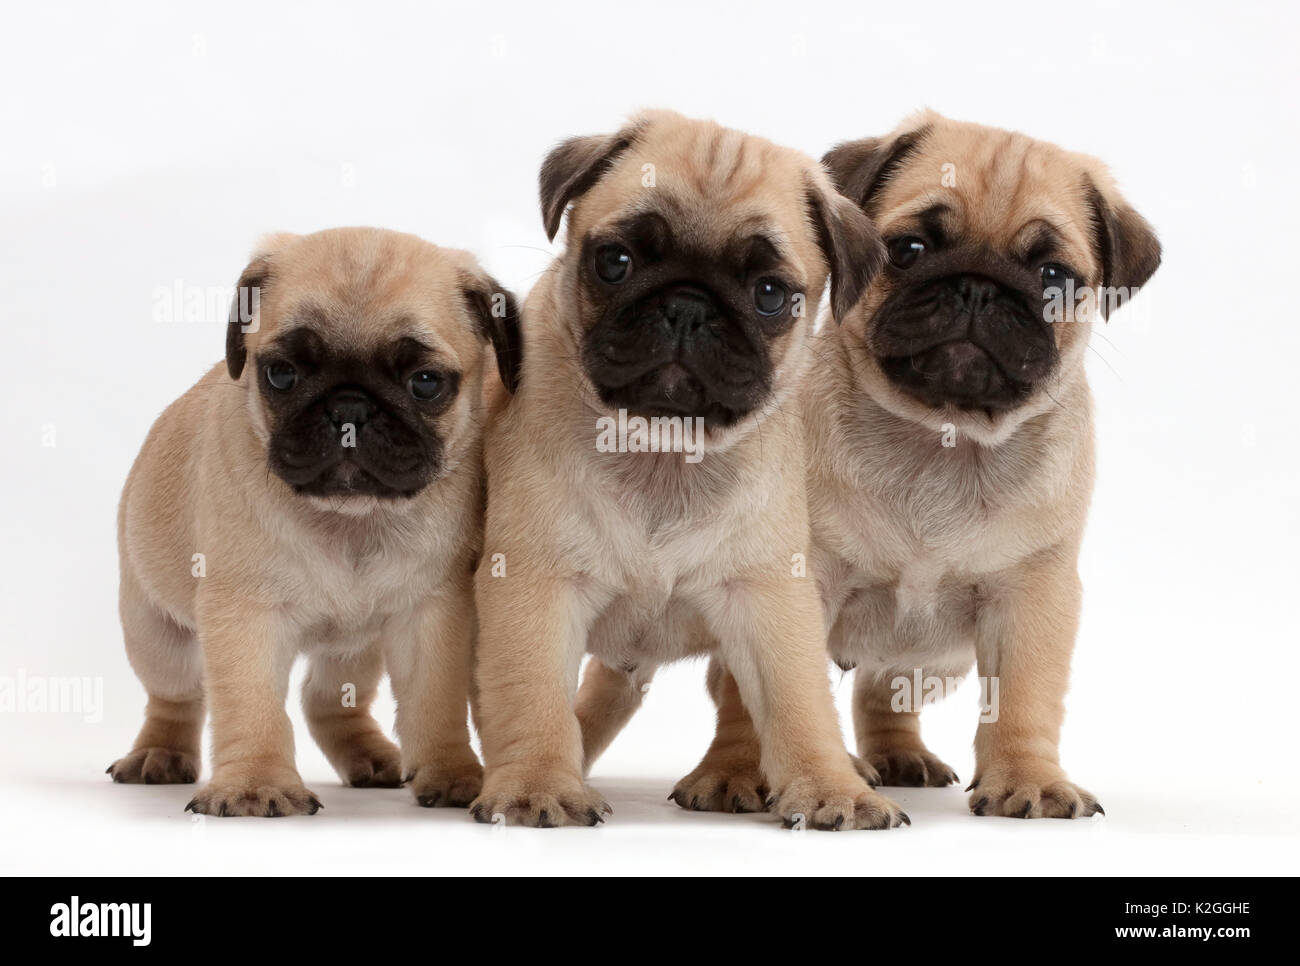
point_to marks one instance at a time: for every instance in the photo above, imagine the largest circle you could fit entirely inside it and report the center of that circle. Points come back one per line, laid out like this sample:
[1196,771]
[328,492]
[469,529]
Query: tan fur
[357,584]
[644,558]
[936,558]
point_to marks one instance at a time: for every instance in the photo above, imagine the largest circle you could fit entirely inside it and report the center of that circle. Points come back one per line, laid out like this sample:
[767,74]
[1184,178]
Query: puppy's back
[155,521]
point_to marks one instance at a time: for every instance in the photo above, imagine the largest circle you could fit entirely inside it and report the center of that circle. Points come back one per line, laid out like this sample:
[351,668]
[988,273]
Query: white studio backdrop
[147,146]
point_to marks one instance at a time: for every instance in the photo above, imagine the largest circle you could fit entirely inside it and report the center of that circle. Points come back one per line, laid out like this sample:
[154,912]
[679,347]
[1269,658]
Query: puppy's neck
[870,446]
[621,459]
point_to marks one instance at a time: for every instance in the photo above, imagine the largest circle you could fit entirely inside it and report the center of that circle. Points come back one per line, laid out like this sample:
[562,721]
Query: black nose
[349,406]
[688,308]
[975,292]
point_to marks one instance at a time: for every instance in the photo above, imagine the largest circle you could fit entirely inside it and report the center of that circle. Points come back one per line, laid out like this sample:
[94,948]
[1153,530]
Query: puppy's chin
[347,478]
[703,428]
[959,374]
[347,488]
[673,391]
[986,426]
[358,505]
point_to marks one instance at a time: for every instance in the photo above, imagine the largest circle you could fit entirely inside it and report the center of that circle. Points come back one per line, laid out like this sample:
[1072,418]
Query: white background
[144,146]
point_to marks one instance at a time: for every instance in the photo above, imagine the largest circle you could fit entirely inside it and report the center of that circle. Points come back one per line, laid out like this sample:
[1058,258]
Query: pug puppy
[320,492]
[950,446]
[695,259]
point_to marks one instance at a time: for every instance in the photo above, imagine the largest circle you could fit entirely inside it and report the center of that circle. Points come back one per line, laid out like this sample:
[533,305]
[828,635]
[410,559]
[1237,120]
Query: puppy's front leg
[430,660]
[1025,632]
[532,634]
[771,635]
[247,658]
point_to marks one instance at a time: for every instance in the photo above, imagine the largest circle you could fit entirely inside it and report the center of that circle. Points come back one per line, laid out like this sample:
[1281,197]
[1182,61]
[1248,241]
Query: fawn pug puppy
[694,262]
[329,475]
[950,446]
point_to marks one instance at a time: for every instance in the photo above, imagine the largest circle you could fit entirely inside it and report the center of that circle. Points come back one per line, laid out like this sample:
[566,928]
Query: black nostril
[688,307]
[349,406]
[975,292]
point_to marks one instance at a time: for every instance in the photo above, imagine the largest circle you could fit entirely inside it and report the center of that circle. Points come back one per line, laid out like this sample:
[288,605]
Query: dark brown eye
[426,385]
[281,376]
[903,252]
[613,264]
[769,296]
[1054,275]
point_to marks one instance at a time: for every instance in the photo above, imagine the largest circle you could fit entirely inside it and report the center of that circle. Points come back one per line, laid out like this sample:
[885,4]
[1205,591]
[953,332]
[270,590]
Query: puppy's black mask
[964,327]
[682,332]
[347,425]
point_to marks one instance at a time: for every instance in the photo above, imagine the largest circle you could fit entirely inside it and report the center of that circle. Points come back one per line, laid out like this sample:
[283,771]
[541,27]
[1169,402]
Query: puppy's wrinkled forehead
[979,184]
[714,186]
[358,289]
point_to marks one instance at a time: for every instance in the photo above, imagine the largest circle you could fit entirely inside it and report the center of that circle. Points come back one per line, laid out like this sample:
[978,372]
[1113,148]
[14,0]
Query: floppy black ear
[1125,244]
[861,169]
[852,246]
[497,314]
[244,309]
[572,167]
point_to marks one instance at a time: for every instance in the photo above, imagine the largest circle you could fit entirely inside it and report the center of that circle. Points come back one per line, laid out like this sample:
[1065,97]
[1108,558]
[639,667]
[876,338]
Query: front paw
[544,800]
[446,785]
[267,796]
[723,786]
[904,768]
[1029,788]
[833,804]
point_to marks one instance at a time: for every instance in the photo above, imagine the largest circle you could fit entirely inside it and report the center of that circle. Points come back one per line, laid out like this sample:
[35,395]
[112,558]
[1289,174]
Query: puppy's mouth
[958,373]
[676,353]
[347,479]
[669,390]
[964,341]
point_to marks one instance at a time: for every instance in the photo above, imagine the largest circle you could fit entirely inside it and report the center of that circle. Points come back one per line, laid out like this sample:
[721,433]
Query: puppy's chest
[921,617]
[915,516]
[344,599]
[901,576]
[651,615]
[666,549]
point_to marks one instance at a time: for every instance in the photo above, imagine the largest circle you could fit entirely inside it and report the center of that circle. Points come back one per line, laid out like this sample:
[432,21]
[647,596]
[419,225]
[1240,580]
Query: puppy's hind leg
[606,702]
[336,698]
[729,777]
[167,660]
[889,741]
